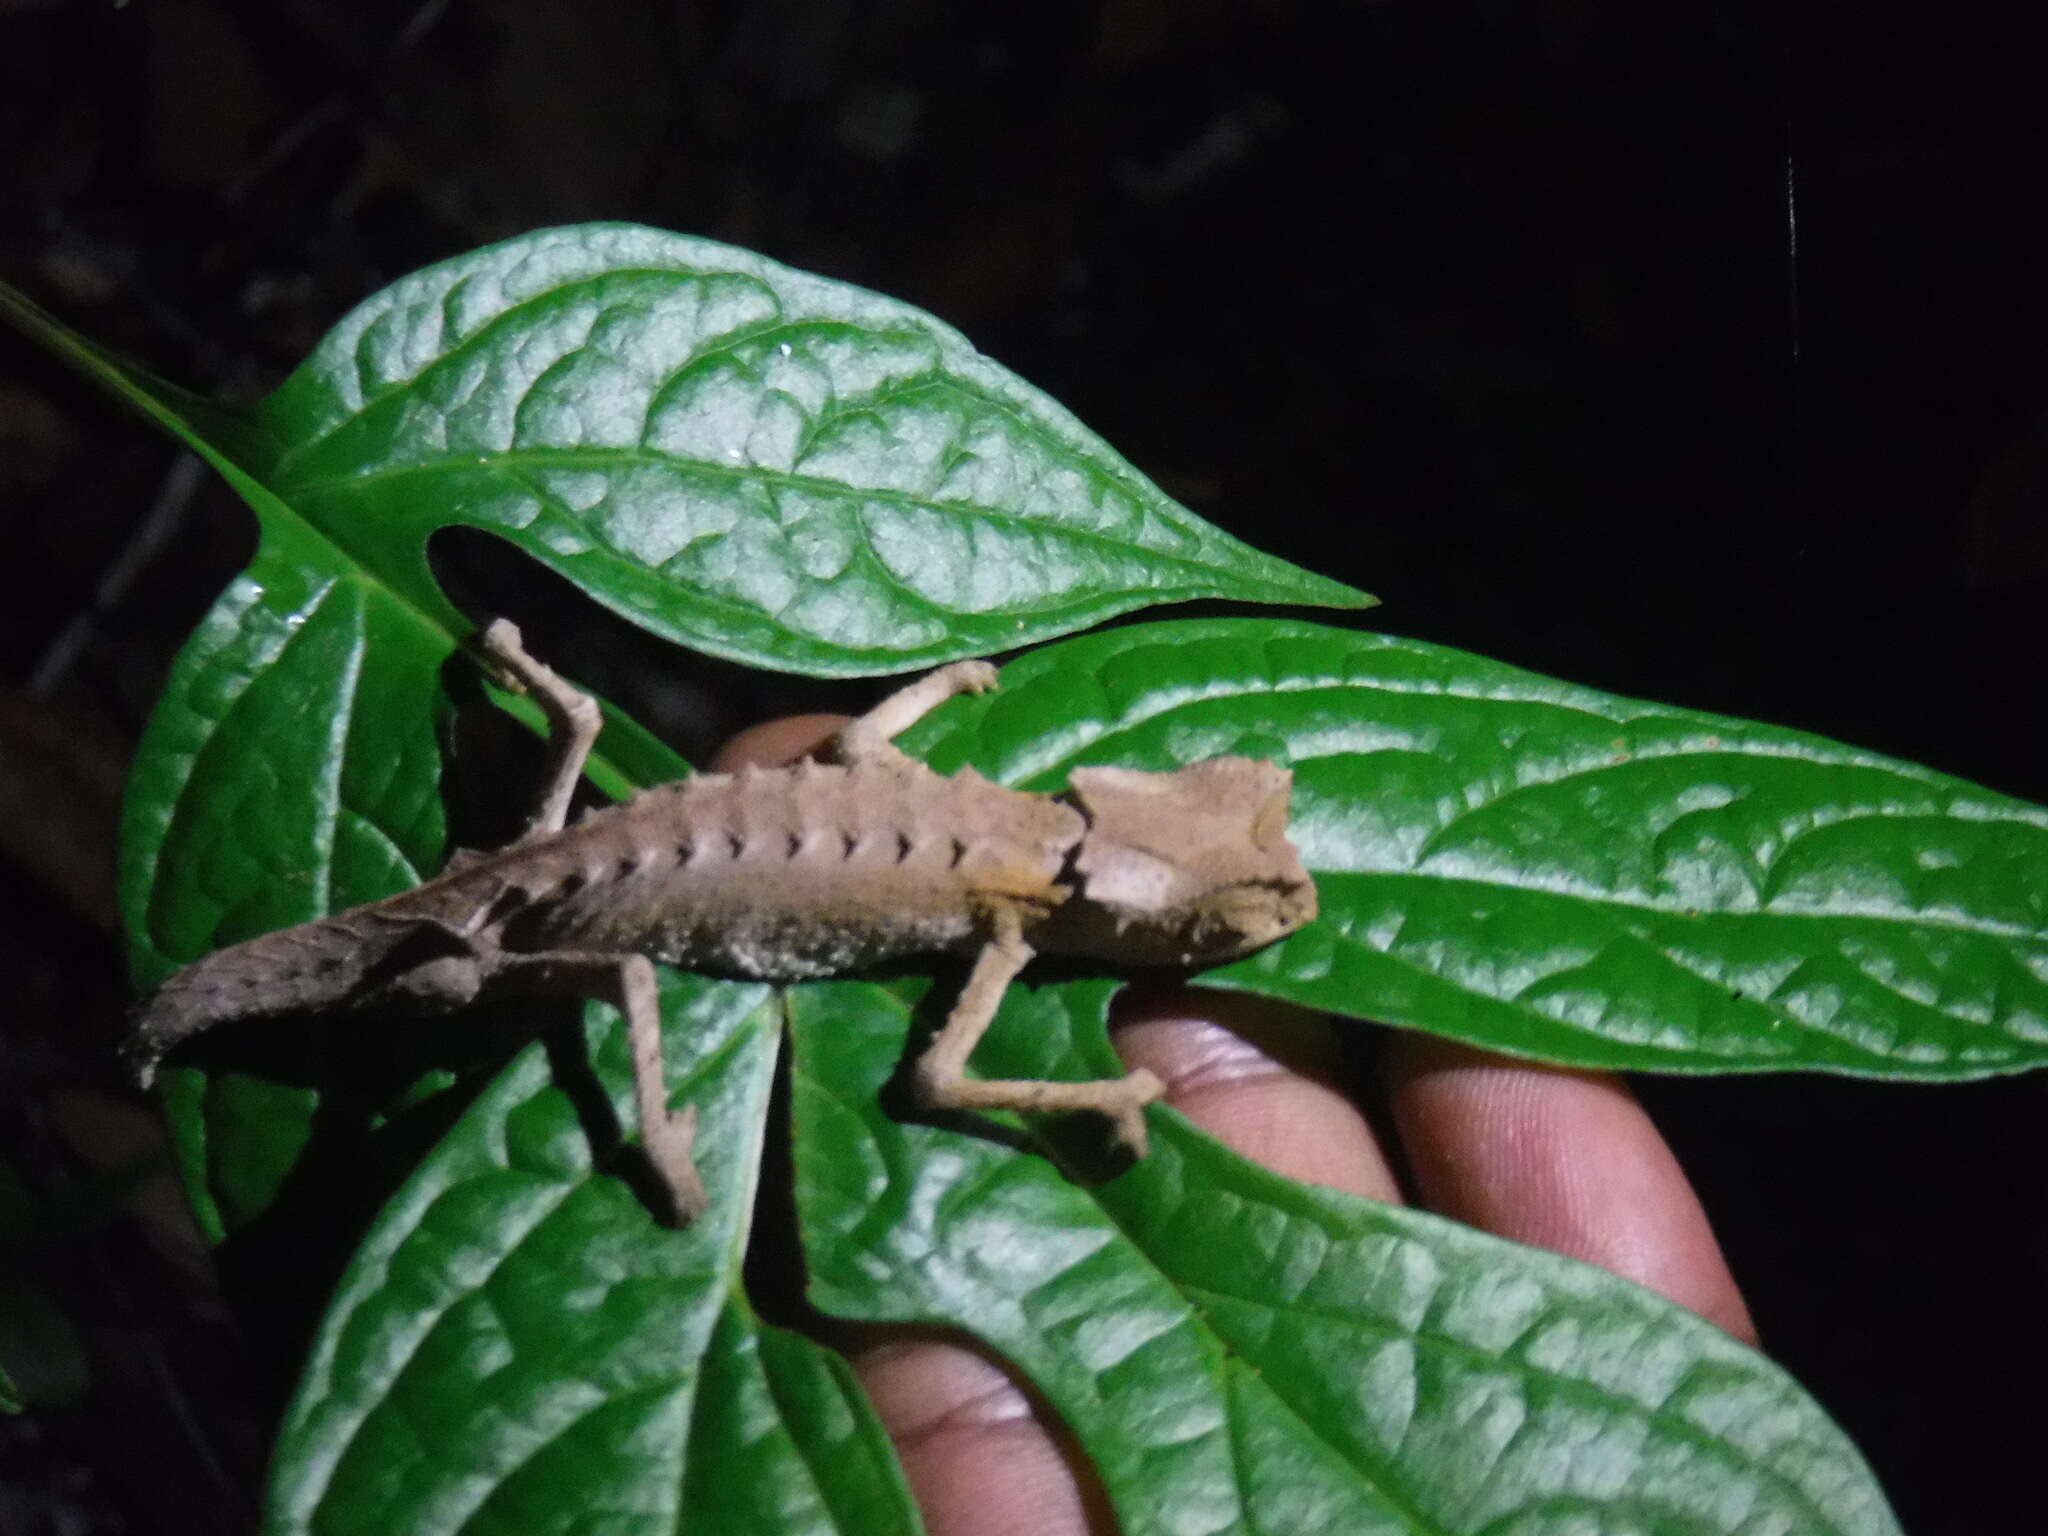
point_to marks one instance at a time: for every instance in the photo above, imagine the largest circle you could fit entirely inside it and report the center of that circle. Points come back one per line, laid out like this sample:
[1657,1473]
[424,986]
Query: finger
[1261,1078]
[1560,1159]
[980,1454]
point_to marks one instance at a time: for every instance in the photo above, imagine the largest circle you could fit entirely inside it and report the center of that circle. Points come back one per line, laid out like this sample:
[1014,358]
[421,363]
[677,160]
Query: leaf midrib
[358,402]
[529,459]
[1069,752]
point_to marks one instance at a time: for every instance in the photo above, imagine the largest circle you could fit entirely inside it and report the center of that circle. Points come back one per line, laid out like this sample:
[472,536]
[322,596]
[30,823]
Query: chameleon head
[1191,867]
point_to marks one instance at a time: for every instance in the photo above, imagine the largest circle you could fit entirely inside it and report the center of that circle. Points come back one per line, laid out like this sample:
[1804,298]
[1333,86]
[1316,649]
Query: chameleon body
[782,874]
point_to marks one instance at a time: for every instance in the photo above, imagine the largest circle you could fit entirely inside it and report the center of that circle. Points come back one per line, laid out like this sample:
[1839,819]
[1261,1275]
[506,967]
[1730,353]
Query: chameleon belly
[805,871]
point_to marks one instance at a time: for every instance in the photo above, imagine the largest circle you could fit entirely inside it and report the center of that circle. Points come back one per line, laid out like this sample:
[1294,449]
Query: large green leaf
[292,768]
[518,1347]
[763,464]
[517,1344]
[1240,1353]
[1554,872]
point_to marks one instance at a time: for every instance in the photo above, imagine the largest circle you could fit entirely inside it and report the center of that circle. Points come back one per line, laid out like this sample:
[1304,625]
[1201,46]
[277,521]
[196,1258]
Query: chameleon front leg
[872,736]
[627,983]
[941,1076]
[573,723]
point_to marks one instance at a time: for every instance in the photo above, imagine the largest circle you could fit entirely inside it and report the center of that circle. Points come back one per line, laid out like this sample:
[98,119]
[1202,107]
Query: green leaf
[306,707]
[517,1346]
[763,464]
[1240,1353]
[291,768]
[1553,872]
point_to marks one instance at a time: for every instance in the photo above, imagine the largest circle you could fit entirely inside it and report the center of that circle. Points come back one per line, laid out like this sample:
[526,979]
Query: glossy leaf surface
[292,768]
[760,463]
[1554,872]
[518,1347]
[1241,1353]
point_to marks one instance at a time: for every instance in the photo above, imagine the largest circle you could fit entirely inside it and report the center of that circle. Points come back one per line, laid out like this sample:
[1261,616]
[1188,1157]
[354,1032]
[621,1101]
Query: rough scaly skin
[790,873]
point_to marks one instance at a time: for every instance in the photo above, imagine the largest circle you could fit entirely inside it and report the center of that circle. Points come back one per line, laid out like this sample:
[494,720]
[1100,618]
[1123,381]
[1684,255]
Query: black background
[1685,351]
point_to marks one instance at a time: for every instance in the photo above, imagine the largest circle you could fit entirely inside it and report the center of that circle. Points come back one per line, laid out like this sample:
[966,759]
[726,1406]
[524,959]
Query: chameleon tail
[316,965]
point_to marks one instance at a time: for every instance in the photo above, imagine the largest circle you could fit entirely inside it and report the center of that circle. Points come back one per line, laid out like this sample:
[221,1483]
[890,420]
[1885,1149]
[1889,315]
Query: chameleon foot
[868,739]
[1126,1100]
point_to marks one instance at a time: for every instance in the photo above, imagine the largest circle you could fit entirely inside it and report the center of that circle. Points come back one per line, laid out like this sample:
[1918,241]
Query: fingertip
[980,1455]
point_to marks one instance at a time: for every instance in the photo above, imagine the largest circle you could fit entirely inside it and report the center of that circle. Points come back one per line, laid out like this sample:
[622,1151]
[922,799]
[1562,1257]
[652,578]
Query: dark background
[1688,351]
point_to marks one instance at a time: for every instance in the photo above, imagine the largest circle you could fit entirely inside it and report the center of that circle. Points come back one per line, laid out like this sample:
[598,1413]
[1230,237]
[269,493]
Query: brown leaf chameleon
[782,874]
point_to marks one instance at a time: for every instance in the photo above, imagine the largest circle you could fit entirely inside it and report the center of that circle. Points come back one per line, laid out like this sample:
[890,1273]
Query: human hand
[1560,1159]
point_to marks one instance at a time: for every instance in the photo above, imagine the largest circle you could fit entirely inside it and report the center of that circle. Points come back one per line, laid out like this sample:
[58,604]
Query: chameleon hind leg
[627,983]
[941,1072]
